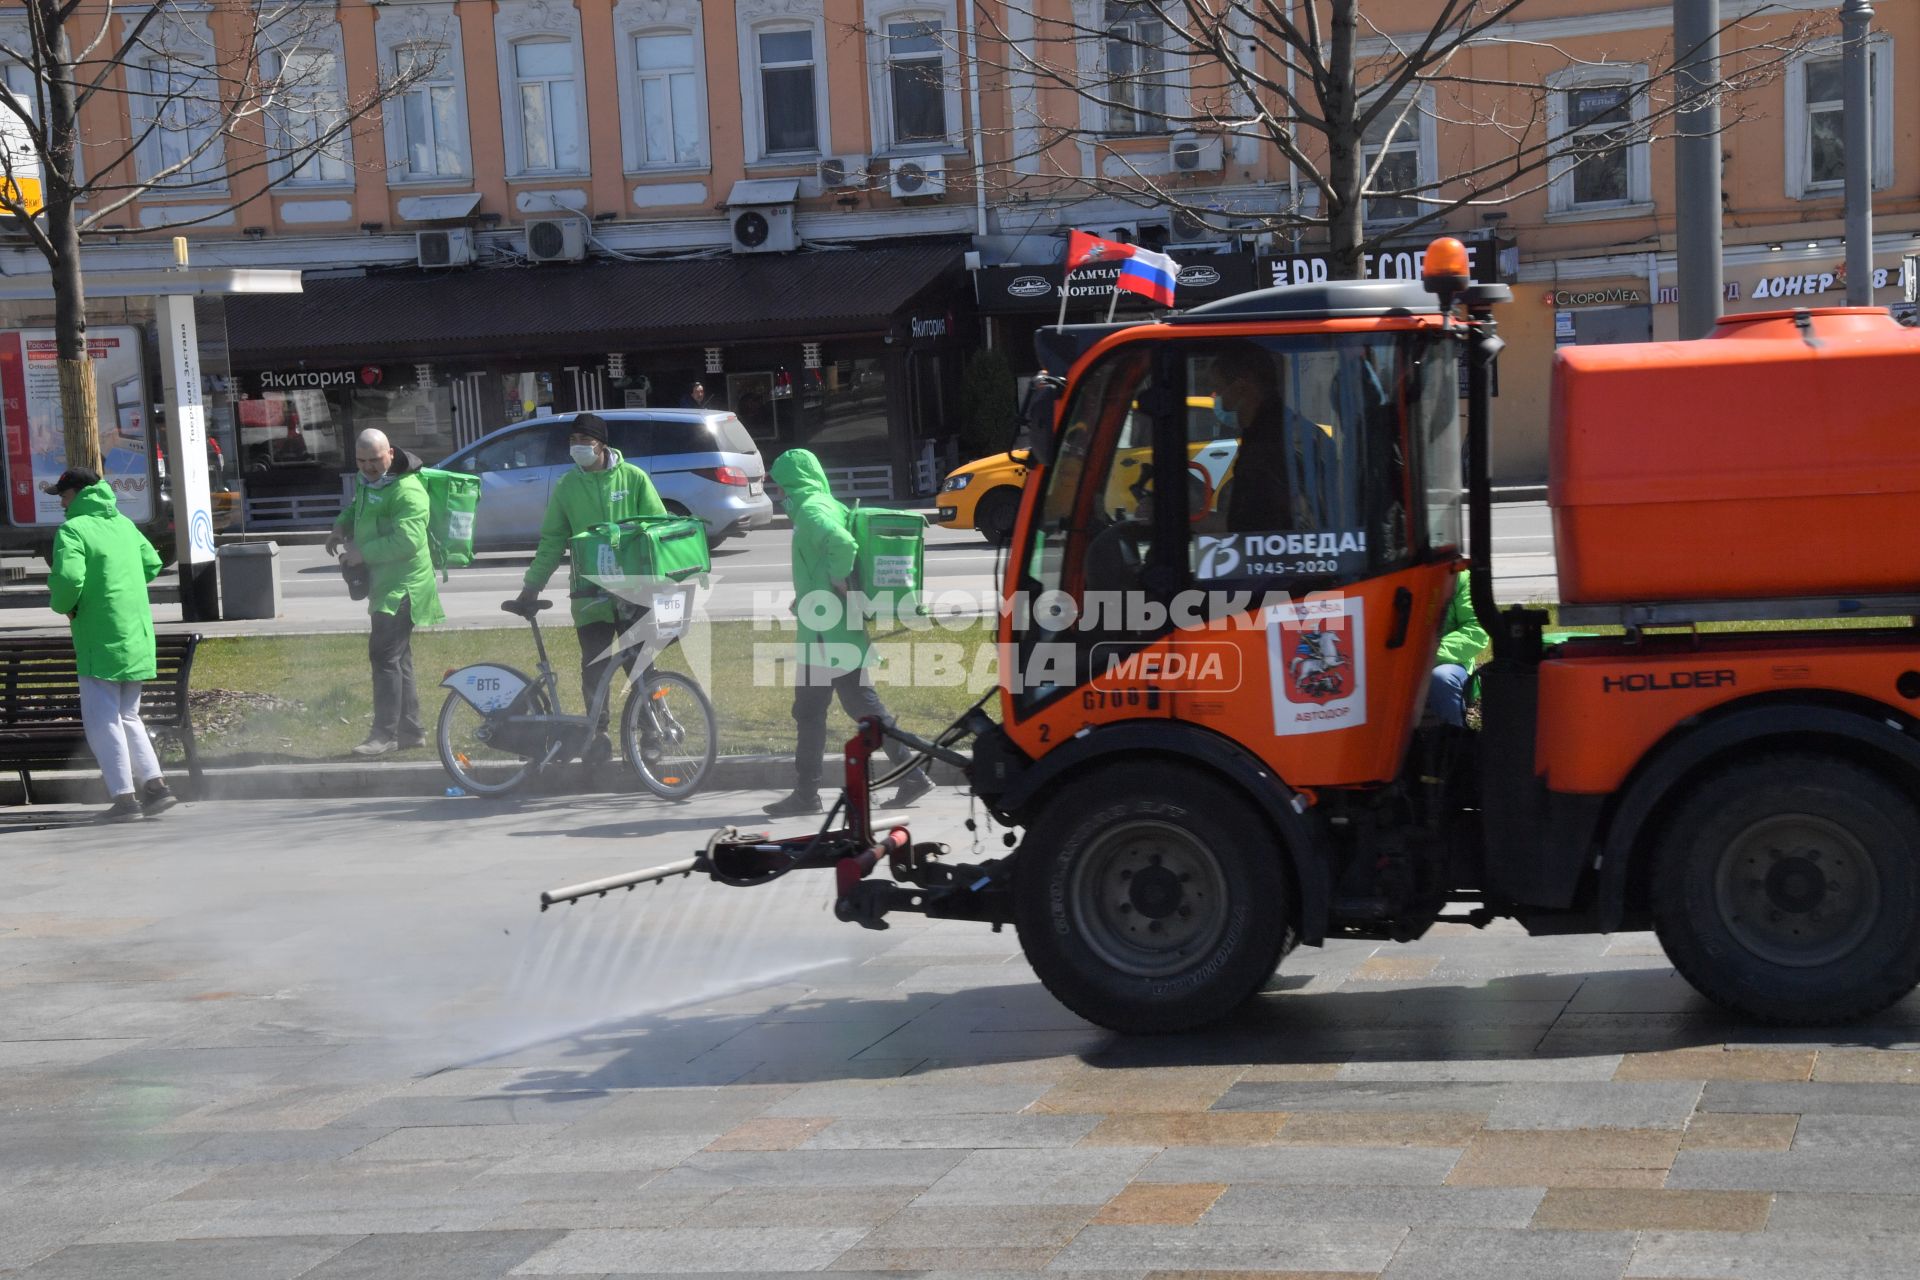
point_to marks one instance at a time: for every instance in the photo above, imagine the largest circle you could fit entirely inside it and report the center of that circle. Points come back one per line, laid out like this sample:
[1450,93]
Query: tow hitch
[922,879]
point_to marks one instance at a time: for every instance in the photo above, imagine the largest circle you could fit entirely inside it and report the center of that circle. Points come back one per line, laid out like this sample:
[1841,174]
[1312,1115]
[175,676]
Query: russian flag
[1149,274]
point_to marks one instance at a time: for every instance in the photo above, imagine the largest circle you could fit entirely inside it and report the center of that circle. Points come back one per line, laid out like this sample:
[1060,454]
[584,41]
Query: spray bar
[684,867]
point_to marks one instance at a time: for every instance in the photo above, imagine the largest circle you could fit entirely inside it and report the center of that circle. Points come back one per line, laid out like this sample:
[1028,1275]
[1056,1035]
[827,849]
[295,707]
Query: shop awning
[598,306]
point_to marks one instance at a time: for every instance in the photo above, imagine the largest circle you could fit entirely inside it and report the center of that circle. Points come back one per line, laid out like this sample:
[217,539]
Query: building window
[788,115]
[916,76]
[179,122]
[309,117]
[668,87]
[432,139]
[18,158]
[1136,67]
[1400,139]
[1596,122]
[1816,118]
[546,95]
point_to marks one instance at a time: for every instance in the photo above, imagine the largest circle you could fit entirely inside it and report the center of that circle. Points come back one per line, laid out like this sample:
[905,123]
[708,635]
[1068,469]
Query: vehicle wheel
[995,515]
[471,753]
[669,735]
[1151,899]
[1788,889]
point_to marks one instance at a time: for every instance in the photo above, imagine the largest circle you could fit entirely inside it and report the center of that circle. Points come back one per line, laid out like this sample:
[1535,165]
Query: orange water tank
[1779,457]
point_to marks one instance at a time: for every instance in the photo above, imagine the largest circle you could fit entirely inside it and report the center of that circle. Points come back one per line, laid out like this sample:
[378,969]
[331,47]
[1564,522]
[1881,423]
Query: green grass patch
[261,699]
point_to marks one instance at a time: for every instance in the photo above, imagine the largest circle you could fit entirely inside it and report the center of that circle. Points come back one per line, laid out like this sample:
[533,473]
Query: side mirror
[1043,400]
[1021,457]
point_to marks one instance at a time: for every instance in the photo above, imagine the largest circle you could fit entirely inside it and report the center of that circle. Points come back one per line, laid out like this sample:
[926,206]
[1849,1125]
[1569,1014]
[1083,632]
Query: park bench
[40,705]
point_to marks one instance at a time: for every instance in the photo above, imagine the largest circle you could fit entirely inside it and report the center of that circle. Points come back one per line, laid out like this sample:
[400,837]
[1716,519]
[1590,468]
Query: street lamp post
[1856,16]
[1696,162]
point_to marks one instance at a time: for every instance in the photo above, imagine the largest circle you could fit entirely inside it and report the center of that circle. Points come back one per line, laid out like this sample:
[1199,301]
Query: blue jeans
[1447,694]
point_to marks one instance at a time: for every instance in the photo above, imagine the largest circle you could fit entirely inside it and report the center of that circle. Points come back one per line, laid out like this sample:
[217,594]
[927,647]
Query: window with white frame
[788,81]
[916,75]
[546,100]
[178,119]
[18,158]
[308,116]
[432,135]
[1817,118]
[1400,140]
[1596,121]
[666,81]
[1134,84]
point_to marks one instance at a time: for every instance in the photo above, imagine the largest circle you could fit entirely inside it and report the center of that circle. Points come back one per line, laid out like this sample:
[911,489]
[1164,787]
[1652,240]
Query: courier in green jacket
[602,488]
[1462,639]
[101,565]
[385,529]
[833,643]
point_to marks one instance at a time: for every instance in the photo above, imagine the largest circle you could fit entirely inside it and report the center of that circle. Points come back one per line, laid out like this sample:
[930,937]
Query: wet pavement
[331,1039]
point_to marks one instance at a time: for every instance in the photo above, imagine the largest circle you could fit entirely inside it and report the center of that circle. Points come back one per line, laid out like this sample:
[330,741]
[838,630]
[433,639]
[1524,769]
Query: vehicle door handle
[1402,618]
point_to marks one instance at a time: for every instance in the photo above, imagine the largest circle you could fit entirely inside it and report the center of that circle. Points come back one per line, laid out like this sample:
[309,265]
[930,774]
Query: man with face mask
[602,487]
[385,528]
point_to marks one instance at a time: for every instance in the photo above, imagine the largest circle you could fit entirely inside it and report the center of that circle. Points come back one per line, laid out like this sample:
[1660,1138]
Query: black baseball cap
[72,480]
[589,424]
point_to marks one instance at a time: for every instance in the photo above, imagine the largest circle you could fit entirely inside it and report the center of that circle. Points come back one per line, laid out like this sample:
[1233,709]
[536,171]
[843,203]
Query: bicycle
[499,728]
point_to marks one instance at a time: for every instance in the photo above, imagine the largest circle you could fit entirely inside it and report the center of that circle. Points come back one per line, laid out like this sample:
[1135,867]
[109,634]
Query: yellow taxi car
[984,495]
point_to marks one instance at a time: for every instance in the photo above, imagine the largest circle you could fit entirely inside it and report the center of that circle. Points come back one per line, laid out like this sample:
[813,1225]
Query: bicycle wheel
[668,734]
[472,757]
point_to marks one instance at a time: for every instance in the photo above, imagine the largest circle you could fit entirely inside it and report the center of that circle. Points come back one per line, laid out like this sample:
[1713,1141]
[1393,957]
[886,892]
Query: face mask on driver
[585,456]
[1229,420]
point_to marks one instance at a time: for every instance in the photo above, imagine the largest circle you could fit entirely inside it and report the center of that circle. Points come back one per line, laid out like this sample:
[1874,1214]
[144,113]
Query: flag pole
[1066,280]
[1113,303]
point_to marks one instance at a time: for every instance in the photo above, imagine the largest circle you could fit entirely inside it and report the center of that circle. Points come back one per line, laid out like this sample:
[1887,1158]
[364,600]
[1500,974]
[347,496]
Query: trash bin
[249,580]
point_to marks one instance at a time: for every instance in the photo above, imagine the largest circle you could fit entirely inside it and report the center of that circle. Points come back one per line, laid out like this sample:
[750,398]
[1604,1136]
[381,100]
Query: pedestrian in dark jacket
[101,566]
[833,644]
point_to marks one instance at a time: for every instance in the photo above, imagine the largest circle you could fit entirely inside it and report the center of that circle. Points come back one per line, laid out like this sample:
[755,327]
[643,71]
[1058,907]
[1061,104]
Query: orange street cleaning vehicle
[1211,740]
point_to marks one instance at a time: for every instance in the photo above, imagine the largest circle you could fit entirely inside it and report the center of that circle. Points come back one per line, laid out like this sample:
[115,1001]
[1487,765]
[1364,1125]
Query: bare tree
[219,103]
[1330,93]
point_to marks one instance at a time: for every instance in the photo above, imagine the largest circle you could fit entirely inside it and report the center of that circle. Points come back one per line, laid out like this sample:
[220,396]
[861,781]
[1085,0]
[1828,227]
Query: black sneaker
[125,808]
[800,802]
[916,785]
[156,798]
[411,744]
[598,752]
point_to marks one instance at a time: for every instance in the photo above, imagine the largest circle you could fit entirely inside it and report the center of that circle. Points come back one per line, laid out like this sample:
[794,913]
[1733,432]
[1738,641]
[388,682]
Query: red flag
[1083,249]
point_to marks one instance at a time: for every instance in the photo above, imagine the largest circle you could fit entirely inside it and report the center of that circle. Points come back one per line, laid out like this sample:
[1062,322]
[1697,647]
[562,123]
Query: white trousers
[110,709]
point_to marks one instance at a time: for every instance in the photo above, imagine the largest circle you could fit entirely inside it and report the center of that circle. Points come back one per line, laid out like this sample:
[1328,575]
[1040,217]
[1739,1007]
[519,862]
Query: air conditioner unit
[920,176]
[450,248]
[556,239]
[763,228]
[843,171]
[1194,155]
[1189,227]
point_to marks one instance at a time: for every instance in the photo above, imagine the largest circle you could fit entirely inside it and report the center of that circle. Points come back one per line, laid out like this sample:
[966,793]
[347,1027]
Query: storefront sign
[35,436]
[371,375]
[1389,264]
[1618,297]
[1205,278]
[922,327]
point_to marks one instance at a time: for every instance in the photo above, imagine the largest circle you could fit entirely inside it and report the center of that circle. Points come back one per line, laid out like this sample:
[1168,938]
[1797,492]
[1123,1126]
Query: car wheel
[994,517]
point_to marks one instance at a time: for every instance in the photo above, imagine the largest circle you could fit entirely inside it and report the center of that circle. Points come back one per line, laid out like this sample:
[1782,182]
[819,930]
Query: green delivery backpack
[452,501]
[889,568]
[644,547]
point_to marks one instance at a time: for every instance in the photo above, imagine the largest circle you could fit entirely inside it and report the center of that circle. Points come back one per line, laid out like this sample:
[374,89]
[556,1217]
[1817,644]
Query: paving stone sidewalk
[330,1039]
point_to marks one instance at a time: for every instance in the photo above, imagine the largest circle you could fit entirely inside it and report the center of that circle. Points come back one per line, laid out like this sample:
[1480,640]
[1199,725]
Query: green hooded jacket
[1462,638]
[102,564]
[389,525]
[823,555]
[582,499]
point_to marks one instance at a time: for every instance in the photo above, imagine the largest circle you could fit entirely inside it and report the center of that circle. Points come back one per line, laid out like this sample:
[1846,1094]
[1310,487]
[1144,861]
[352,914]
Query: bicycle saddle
[525,611]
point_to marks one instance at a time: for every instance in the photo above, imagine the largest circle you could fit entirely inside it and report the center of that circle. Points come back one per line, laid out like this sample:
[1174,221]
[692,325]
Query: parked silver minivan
[703,462]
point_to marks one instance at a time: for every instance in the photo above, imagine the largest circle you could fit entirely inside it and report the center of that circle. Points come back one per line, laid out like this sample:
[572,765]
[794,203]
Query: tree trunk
[79,407]
[1346,166]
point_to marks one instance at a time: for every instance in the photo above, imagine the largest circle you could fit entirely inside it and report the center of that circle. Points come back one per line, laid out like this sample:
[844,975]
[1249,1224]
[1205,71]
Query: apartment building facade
[584,203]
